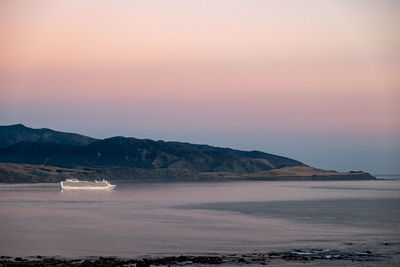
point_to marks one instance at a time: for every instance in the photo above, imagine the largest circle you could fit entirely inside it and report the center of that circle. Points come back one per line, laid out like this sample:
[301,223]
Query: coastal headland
[42,155]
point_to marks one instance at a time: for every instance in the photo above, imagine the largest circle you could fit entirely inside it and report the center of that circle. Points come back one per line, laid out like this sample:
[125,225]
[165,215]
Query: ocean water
[200,218]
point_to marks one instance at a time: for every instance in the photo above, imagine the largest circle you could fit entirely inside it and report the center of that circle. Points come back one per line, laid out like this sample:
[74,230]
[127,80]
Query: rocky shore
[267,258]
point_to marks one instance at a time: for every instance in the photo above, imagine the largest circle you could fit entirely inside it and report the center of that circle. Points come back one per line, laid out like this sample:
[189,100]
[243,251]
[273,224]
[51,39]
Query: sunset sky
[317,80]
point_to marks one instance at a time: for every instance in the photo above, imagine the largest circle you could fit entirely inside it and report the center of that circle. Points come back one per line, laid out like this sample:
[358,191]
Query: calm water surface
[197,218]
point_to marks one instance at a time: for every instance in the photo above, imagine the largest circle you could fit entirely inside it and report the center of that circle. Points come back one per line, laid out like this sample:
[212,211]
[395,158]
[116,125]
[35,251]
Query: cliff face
[43,155]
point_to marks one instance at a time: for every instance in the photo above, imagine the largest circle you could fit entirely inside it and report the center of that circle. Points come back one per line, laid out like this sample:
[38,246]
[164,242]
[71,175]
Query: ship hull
[84,185]
[87,187]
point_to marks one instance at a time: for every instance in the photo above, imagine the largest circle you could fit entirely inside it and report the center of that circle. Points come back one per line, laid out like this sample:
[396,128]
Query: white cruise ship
[75,184]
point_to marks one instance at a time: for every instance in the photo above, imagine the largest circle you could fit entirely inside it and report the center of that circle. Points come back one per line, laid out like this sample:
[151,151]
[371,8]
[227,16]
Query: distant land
[42,155]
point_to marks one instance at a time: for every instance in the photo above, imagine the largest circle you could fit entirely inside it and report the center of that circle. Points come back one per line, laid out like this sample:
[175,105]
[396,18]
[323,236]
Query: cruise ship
[75,184]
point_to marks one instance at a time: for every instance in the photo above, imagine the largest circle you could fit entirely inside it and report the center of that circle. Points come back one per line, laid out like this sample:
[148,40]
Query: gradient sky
[318,81]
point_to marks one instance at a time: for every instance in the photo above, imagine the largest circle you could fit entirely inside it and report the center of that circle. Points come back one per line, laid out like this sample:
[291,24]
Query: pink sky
[208,72]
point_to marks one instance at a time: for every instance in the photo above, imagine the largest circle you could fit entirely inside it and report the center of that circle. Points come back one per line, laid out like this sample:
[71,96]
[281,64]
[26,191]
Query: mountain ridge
[12,134]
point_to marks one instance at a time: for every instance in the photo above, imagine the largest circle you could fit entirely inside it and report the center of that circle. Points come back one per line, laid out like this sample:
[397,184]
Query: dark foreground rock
[231,259]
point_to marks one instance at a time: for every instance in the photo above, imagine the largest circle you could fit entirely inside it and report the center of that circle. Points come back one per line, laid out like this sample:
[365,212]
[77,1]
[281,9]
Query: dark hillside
[145,154]
[13,134]
[44,155]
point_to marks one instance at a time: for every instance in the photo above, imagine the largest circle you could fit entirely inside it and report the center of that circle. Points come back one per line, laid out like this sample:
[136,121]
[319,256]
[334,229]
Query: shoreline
[31,173]
[319,255]
[221,180]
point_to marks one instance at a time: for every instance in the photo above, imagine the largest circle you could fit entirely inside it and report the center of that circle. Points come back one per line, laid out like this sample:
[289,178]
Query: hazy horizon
[316,81]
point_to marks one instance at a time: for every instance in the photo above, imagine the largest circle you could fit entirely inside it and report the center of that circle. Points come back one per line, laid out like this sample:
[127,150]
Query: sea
[158,219]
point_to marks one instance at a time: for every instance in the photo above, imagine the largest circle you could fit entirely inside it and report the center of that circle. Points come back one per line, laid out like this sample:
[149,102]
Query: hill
[13,134]
[74,155]
[145,154]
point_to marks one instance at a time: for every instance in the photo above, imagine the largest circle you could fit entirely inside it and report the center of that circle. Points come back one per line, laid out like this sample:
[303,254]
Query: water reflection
[138,219]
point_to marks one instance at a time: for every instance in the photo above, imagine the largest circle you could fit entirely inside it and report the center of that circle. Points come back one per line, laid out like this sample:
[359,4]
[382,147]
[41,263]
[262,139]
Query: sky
[314,80]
